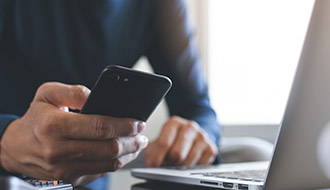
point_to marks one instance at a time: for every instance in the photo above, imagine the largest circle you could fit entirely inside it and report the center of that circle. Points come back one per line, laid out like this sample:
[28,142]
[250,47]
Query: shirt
[71,41]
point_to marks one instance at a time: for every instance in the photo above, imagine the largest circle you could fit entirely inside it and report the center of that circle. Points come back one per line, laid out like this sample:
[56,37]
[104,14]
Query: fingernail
[141,126]
[144,141]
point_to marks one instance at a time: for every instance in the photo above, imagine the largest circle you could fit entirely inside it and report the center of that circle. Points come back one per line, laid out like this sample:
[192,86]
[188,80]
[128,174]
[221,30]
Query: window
[253,49]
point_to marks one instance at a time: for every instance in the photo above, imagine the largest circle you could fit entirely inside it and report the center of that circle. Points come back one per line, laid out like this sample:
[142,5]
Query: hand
[181,142]
[49,142]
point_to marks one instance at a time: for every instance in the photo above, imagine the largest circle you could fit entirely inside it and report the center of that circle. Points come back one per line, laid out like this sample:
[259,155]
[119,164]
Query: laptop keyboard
[247,175]
[197,167]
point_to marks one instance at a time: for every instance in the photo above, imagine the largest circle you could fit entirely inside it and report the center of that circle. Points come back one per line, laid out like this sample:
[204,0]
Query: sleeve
[172,52]
[5,7]
[5,120]
[1,18]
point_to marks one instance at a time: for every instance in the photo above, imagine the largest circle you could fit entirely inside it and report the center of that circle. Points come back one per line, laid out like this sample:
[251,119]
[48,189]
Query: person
[51,54]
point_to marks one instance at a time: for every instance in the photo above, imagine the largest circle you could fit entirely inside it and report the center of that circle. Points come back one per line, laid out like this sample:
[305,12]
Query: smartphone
[126,93]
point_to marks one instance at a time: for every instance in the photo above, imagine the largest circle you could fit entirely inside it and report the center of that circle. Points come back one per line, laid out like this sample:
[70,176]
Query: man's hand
[49,142]
[181,142]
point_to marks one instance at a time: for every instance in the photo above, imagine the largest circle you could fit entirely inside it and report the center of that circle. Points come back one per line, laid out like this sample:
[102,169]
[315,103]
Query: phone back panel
[126,93]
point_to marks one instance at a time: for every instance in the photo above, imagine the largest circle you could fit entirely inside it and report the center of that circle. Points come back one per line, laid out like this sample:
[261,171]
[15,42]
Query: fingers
[102,150]
[101,127]
[208,155]
[105,166]
[207,158]
[89,127]
[183,143]
[69,172]
[159,149]
[89,168]
[58,94]
[77,158]
[194,155]
[79,126]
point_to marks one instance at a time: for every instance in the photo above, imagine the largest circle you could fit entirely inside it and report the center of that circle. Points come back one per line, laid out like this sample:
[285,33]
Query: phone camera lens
[114,77]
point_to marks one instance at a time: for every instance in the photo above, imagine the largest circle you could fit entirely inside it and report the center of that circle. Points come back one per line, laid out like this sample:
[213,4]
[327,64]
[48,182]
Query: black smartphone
[123,92]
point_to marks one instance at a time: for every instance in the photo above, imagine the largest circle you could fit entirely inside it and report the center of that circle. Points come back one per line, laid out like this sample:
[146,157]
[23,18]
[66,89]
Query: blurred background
[249,51]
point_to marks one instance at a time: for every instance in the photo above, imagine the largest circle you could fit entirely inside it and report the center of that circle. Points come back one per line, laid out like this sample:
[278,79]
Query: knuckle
[163,144]
[201,137]
[176,155]
[175,118]
[137,144]
[209,151]
[193,125]
[173,122]
[189,127]
[78,91]
[214,150]
[116,164]
[44,87]
[115,148]
[101,128]
[130,129]
[51,155]
[47,126]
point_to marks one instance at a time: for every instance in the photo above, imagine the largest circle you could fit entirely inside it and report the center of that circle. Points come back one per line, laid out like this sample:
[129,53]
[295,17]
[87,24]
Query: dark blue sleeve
[173,53]
[5,6]
[5,120]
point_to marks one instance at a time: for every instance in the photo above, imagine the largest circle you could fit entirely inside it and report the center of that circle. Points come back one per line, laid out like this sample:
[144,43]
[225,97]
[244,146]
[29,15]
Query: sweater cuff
[5,120]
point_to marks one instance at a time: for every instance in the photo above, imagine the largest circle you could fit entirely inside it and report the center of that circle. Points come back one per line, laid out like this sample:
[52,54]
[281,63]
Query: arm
[173,53]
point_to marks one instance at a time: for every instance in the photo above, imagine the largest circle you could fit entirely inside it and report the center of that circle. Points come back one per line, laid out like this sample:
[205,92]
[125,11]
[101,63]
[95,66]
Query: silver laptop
[294,164]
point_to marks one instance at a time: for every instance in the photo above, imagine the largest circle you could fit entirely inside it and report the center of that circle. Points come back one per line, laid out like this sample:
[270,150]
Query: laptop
[296,162]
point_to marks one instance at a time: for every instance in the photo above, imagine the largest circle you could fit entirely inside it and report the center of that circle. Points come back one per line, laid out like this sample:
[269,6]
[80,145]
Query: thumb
[59,94]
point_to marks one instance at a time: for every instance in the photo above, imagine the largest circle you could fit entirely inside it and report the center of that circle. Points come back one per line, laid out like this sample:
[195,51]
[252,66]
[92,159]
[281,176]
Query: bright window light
[254,47]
